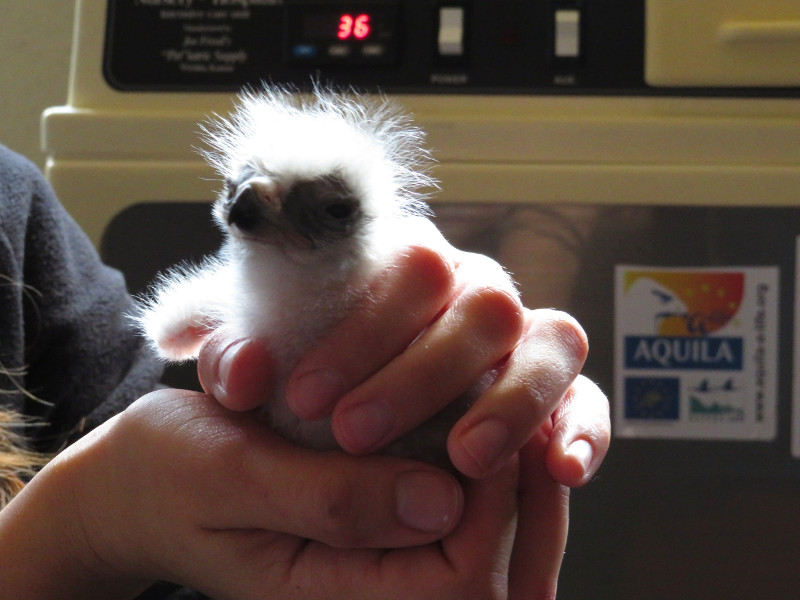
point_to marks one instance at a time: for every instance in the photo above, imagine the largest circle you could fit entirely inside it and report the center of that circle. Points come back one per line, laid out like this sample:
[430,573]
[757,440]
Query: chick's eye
[339,211]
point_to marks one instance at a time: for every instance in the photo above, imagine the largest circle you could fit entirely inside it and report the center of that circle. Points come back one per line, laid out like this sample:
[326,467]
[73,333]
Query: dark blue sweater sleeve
[68,355]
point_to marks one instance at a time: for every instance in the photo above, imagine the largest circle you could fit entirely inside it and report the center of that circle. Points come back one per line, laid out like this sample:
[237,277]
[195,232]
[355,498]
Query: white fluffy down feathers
[318,192]
[371,140]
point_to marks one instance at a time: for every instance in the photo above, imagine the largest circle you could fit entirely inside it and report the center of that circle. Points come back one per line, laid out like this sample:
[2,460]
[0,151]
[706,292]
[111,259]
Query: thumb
[238,372]
[542,525]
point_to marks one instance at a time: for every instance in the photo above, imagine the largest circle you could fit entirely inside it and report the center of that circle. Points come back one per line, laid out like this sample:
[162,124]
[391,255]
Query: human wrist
[48,548]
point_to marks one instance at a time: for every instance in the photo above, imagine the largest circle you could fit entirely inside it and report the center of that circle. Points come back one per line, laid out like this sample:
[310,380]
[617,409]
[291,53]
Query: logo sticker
[652,398]
[696,352]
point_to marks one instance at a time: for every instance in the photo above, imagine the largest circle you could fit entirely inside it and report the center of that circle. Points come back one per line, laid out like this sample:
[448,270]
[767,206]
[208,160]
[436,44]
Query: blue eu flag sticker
[654,398]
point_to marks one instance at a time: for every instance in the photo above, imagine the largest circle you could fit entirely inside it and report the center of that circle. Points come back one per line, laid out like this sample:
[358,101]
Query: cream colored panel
[723,43]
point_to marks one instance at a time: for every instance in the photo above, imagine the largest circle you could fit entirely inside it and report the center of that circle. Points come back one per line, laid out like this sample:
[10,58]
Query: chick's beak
[255,201]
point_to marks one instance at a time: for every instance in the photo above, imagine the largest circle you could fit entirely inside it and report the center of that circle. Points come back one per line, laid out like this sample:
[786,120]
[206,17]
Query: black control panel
[397,46]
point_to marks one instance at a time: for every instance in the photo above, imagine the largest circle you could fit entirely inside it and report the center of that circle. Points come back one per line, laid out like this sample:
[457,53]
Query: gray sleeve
[64,337]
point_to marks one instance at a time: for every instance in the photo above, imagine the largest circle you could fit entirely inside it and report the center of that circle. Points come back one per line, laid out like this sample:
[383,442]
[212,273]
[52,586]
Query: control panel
[414,46]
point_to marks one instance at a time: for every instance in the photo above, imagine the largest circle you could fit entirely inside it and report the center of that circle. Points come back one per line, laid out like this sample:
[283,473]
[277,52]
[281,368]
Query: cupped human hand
[437,319]
[179,488]
[177,482]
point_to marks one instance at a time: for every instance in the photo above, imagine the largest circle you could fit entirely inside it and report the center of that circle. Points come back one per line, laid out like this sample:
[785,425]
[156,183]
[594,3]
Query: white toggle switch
[451,31]
[568,33]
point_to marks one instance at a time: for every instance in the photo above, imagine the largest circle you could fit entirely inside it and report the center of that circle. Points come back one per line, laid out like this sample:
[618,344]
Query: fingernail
[312,395]
[224,368]
[581,450]
[363,427]
[244,375]
[427,501]
[486,442]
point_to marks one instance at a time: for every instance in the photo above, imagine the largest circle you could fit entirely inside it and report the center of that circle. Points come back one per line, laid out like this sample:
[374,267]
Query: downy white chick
[319,192]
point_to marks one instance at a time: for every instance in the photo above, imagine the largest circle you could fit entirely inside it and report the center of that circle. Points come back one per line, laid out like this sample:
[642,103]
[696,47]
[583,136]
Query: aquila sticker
[696,352]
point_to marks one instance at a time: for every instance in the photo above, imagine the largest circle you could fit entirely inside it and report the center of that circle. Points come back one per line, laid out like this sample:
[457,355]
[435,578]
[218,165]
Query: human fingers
[542,525]
[239,373]
[228,471]
[476,331]
[533,381]
[581,434]
[472,562]
[487,529]
[402,301]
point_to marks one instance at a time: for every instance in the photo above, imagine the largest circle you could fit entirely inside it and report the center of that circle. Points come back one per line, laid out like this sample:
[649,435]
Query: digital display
[358,27]
[343,33]
[343,25]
